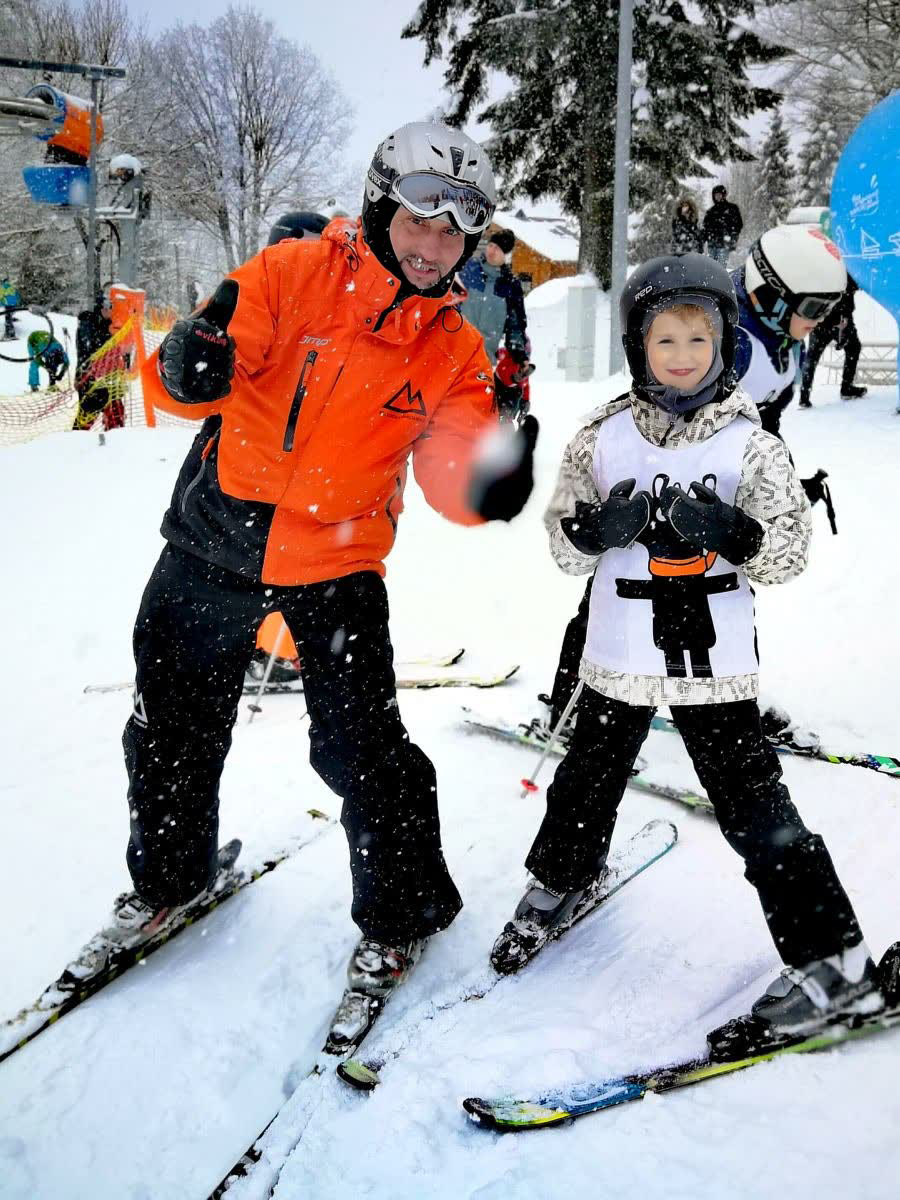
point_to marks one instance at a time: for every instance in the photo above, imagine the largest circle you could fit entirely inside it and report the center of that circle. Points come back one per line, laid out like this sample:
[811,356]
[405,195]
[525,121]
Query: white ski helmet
[431,170]
[794,269]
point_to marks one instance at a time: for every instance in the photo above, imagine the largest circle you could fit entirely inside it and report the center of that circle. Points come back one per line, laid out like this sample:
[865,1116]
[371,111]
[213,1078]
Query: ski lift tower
[71,127]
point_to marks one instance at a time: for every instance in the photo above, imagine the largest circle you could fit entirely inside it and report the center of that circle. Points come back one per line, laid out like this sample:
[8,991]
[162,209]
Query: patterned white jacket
[769,491]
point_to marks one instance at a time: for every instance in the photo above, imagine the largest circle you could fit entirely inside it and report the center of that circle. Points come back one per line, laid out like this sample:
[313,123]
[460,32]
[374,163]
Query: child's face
[680,349]
[801,326]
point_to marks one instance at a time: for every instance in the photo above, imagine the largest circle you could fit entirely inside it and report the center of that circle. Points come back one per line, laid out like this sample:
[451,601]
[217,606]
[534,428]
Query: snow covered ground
[151,1090]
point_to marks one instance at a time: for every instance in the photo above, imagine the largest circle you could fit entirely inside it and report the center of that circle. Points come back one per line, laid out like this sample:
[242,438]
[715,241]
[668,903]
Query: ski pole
[529,785]
[264,682]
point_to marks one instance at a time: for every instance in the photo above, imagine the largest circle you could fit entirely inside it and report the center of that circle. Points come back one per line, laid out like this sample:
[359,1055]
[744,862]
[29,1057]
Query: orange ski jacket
[297,475]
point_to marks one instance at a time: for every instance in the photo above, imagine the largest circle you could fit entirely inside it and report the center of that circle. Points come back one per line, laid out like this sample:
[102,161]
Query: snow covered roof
[554,237]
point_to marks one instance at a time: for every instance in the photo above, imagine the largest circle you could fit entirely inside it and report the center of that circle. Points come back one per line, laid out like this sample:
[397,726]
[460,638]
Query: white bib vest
[762,380]
[662,607]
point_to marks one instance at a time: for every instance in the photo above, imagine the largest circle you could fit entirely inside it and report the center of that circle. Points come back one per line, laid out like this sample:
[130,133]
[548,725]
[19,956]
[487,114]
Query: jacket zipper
[383,316]
[196,480]
[299,394]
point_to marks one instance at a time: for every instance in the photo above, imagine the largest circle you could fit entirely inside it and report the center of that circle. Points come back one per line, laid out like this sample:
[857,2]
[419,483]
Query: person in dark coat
[838,327]
[495,305]
[722,225]
[687,236]
[93,331]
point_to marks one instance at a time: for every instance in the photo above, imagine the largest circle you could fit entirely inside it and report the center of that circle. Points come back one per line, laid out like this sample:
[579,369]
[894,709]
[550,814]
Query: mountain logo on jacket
[407,404]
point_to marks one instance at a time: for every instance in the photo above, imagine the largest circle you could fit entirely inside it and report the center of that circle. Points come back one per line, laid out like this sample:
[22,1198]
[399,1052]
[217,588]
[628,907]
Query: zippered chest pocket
[299,394]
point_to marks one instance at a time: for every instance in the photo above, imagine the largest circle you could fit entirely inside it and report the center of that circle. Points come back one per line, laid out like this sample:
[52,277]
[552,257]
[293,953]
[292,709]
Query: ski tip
[454,658]
[479,1112]
[317,814]
[358,1075]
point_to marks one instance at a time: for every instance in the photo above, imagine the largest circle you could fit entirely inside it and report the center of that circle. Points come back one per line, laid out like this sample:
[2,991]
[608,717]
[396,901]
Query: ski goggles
[814,308]
[426,195]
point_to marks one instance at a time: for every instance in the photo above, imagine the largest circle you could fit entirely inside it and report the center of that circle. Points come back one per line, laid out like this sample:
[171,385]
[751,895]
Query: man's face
[718,197]
[493,255]
[427,248]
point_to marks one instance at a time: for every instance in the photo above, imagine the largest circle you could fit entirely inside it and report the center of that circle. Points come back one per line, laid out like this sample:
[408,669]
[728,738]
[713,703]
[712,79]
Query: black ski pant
[818,340]
[806,908]
[570,655]
[194,637]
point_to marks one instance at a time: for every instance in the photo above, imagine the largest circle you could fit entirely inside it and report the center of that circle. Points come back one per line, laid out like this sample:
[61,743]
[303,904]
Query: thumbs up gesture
[196,359]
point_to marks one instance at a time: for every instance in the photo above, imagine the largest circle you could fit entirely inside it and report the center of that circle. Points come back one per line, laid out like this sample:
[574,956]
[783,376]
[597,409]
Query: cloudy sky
[357,40]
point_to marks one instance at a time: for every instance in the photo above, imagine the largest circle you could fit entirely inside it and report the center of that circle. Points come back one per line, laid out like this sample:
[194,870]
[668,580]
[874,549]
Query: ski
[644,848]
[503,730]
[71,988]
[517,946]
[885,763]
[450,681]
[251,685]
[336,1050]
[557,1106]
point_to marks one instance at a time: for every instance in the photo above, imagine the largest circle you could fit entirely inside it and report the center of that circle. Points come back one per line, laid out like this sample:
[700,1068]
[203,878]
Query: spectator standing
[495,305]
[722,226]
[11,302]
[838,327]
[687,237]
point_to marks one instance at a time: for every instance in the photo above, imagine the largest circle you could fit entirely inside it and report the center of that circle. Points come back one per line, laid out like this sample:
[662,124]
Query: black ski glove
[614,523]
[196,358]
[708,523]
[502,497]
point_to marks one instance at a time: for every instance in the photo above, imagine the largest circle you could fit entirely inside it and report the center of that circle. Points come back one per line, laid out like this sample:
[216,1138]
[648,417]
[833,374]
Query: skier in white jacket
[675,500]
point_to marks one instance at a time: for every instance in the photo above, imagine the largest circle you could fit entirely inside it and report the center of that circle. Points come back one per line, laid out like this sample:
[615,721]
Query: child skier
[675,499]
[792,278]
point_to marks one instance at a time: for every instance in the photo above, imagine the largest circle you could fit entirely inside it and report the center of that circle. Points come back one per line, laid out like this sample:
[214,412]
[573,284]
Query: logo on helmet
[456,157]
[643,292]
[829,244]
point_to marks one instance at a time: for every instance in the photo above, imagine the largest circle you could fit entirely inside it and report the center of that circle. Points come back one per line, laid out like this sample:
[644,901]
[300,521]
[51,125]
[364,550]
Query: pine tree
[829,126]
[553,133]
[777,179]
[653,233]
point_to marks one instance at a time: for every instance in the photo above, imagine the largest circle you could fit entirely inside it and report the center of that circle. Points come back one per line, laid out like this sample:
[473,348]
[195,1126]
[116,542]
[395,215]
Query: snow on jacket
[495,305]
[297,476]
[769,491]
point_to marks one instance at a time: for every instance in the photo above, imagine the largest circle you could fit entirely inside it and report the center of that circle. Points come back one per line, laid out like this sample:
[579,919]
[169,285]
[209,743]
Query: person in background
[687,236]
[838,327]
[10,302]
[722,226]
[495,305]
[45,351]
[94,393]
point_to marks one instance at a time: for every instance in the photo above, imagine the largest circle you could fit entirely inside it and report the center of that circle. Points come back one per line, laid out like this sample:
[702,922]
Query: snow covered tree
[653,233]
[776,182]
[843,53]
[553,132]
[828,127]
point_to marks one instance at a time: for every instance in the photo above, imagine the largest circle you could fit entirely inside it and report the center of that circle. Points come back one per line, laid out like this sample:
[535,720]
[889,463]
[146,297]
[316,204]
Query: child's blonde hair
[685,312]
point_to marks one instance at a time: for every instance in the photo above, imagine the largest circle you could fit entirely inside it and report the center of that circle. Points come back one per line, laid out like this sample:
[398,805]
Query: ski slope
[151,1090]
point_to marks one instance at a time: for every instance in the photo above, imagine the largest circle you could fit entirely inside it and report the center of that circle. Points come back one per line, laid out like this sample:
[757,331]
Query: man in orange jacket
[318,368]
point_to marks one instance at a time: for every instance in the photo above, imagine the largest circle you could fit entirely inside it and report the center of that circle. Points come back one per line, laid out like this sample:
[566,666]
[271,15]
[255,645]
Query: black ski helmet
[297,225]
[664,279]
[423,148]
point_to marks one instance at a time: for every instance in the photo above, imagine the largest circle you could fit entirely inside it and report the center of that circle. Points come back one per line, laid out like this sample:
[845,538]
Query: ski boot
[852,391]
[374,972]
[541,728]
[135,923]
[541,915]
[804,1001]
[284,670]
